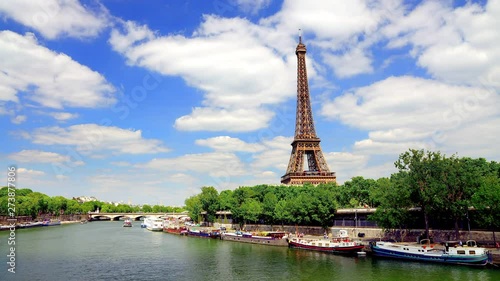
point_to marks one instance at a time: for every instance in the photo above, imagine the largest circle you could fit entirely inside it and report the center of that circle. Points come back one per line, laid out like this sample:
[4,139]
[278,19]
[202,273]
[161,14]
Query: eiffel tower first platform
[305,146]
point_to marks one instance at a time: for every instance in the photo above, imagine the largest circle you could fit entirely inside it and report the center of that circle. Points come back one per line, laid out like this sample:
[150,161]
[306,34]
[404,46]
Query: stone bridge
[134,216]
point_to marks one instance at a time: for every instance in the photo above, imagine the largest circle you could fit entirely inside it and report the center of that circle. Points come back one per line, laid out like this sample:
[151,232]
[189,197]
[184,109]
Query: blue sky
[146,102]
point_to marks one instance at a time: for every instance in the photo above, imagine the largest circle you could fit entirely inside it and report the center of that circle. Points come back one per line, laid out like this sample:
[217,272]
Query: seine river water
[108,251]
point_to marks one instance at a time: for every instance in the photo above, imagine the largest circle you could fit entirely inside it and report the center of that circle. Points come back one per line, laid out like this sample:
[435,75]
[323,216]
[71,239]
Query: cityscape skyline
[123,100]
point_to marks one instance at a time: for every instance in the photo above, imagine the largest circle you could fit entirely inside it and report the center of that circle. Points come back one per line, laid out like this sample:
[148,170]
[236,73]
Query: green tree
[73,207]
[268,207]
[301,209]
[358,188]
[57,205]
[395,203]
[194,207]
[326,205]
[249,211]
[157,209]
[281,212]
[424,170]
[209,199]
[486,202]
[146,208]
[226,200]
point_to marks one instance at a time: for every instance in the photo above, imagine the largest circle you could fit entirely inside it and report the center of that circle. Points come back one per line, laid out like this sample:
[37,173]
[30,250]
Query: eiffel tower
[305,143]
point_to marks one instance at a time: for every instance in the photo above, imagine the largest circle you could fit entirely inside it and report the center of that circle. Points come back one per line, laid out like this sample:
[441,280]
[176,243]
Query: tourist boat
[127,223]
[453,253]
[173,228]
[48,222]
[204,233]
[341,244]
[273,238]
[153,224]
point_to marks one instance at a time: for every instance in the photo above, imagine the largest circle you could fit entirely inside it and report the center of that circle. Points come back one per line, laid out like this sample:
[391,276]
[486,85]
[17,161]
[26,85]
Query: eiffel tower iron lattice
[306,142]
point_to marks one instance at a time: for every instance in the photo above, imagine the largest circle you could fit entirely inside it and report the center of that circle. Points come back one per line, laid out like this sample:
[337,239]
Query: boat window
[472,252]
[461,252]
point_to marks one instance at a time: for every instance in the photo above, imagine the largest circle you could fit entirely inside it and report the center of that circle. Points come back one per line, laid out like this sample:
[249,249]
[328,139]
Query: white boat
[127,223]
[453,253]
[153,224]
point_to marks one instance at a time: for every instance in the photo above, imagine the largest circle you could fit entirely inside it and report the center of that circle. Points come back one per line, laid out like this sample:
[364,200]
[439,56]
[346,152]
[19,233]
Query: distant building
[83,199]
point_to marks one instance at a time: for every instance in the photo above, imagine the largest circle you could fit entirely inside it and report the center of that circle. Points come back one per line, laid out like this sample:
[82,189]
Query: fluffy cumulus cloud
[216,164]
[275,155]
[224,58]
[63,116]
[344,31]
[47,78]
[251,6]
[30,173]
[38,156]
[55,18]
[263,162]
[453,110]
[226,143]
[96,140]
[220,119]
[403,112]
[457,45]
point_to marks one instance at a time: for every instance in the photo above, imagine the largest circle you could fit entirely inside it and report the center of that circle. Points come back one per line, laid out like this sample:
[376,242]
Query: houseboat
[273,238]
[452,253]
[341,244]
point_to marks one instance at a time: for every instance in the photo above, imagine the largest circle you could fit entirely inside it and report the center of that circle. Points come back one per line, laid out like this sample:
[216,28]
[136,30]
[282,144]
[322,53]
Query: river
[107,251]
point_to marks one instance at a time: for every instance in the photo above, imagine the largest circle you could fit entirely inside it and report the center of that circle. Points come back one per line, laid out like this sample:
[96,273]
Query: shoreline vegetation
[429,191]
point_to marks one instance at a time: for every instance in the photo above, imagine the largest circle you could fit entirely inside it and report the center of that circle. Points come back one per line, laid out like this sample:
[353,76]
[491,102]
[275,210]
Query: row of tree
[428,185]
[304,205]
[29,203]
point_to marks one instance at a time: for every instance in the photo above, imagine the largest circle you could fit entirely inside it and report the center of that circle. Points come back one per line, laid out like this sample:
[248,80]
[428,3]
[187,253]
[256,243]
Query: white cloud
[49,79]
[251,6]
[63,116]
[30,173]
[55,18]
[346,165]
[343,30]
[473,140]
[226,143]
[62,177]
[455,45]
[38,156]
[217,119]
[121,163]
[19,119]
[276,155]
[95,139]
[350,63]
[412,105]
[216,164]
[237,90]
[408,112]
[372,147]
